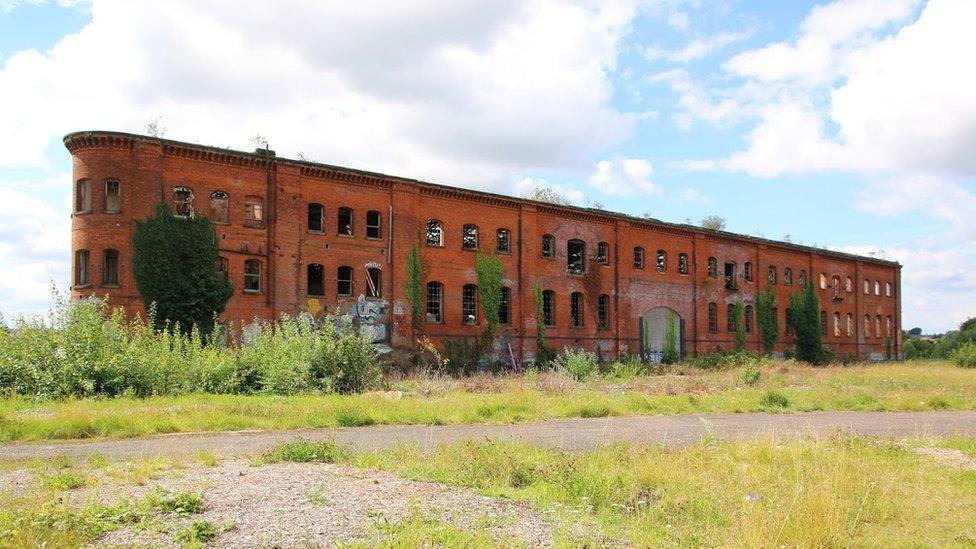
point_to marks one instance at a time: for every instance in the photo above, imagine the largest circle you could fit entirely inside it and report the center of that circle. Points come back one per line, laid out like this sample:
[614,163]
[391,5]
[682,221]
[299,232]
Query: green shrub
[577,363]
[199,531]
[181,503]
[724,361]
[774,399]
[965,356]
[750,374]
[628,367]
[463,354]
[304,451]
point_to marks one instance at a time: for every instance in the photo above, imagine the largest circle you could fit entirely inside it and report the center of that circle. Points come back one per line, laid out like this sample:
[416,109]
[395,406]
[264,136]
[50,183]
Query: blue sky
[848,124]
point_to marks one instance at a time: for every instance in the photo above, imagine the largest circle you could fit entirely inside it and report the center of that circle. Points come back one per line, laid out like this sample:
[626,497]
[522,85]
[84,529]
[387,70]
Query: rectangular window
[712,318]
[344,285]
[549,308]
[504,306]
[503,241]
[254,210]
[662,261]
[113,202]
[469,237]
[344,223]
[218,206]
[183,202]
[81,268]
[434,297]
[603,253]
[110,268]
[315,279]
[575,256]
[316,218]
[469,304]
[373,224]
[638,257]
[730,317]
[576,309]
[683,264]
[603,311]
[374,279]
[748,319]
[82,196]
[252,276]
[548,246]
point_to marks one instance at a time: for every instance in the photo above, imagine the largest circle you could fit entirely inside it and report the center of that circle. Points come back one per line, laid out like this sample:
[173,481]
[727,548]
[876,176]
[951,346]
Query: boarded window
[344,281]
[576,309]
[344,222]
[638,257]
[435,297]
[113,196]
[469,304]
[802,279]
[254,211]
[374,282]
[788,276]
[469,237]
[683,264]
[110,268]
[548,246]
[712,317]
[315,279]
[82,196]
[576,256]
[712,267]
[373,224]
[747,271]
[435,233]
[81,268]
[823,281]
[252,276]
[504,306]
[549,307]
[219,207]
[771,277]
[316,218]
[848,285]
[603,253]
[877,288]
[503,241]
[183,201]
[662,261]
[888,289]
[850,325]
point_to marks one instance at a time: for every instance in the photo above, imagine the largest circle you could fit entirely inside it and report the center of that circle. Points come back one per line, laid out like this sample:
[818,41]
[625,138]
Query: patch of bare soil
[321,505]
[949,457]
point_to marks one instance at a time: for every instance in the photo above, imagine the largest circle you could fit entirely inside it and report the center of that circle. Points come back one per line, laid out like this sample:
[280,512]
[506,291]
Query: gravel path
[570,434]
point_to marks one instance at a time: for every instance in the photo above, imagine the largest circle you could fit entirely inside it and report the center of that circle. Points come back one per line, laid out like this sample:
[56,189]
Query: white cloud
[679,20]
[696,49]
[692,195]
[624,176]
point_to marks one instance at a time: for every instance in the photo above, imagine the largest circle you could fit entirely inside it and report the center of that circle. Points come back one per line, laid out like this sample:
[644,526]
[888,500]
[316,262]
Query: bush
[724,361]
[750,374]
[774,399]
[965,356]
[304,451]
[577,363]
[199,531]
[463,355]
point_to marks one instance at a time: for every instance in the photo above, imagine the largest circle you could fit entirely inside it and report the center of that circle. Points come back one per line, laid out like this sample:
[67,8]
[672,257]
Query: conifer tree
[805,317]
[766,317]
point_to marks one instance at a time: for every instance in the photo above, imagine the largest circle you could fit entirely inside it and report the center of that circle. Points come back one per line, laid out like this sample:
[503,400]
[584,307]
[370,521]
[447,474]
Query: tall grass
[81,349]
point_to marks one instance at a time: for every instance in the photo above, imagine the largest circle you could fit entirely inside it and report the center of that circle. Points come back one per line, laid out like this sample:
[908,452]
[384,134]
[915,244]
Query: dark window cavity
[747,271]
[315,279]
[435,233]
[603,253]
[374,282]
[548,246]
[469,237]
[638,257]
[113,197]
[81,268]
[316,218]
[344,276]
[252,276]
[748,318]
[603,311]
[712,317]
[576,309]
[110,268]
[504,306]
[344,222]
[576,256]
[549,307]
[219,207]
[503,241]
[183,201]
[373,224]
[683,264]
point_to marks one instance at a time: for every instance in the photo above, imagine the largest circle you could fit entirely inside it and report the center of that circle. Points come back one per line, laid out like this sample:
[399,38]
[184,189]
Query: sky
[848,124]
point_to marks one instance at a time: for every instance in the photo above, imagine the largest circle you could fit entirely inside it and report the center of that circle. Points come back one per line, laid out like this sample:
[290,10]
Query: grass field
[781,387]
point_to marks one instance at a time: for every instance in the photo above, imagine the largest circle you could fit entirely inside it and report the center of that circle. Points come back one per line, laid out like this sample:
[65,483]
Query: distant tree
[259,141]
[805,317]
[713,223]
[647,215]
[766,317]
[915,331]
[491,276]
[174,266]
[969,324]
[549,195]
[155,128]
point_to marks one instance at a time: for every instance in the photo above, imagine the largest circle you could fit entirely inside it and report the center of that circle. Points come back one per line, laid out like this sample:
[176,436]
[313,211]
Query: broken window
[548,246]
[888,289]
[603,311]
[344,222]
[850,325]
[848,285]
[221,267]
[469,304]
[877,288]
[252,276]
[549,308]
[730,283]
[373,224]
[867,325]
[835,285]
[254,211]
[683,264]
[603,253]
[315,278]
[823,281]
[374,279]
[504,306]
[82,196]
[183,201]
[877,326]
[113,196]
[435,233]
[576,309]
[747,271]
[712,317]
[469,237]
[503,241]
[802,278]
[748,318]
[344,277]
[788,276]
[576,256]
[662,261]
[638,257]
[81,268]
[316,218]
[110,268]
[730,317]
[435,297]
[219,207]
[771,277]
[712,267]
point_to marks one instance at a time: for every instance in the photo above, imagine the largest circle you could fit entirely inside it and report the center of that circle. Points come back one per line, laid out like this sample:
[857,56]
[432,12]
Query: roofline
[590,211]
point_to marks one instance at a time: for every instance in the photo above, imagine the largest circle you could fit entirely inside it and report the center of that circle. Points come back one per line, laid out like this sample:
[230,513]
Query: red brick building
[299,236]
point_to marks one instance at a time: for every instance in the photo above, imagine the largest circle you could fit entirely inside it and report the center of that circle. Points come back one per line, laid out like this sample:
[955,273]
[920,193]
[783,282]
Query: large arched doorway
[657,326]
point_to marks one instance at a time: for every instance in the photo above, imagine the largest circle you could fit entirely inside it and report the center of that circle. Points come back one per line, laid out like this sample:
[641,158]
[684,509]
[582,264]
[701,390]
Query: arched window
[603,311]
[888,326]
[469,237]
[344,286]
[867,287]
[219,207]
[638,257]
[253,211]
[823,281]
[183,201]
[730,317]
[435,233]
[787,276]
[867,325]
[113,196]
[374,228]
[850,325]
[505,306]
[82,196]
[603,253]
[252,276]
[374,282]
[503,241]
[683,264]
[747,271]
[712,267]
[877,288]
[576,309]
[848,285]
[549,307]
[835,284]
[888,289]
[823,322]
[81,268]
[315,278]
[748,318]
[469,304]
[802,278]
[344,222]
[548,246]
[110,268]
[772,275]
[222,268]
[316,218]
[576,256]
[712,317]
[836,324]
[435,301]
[662,261]
[877,326]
